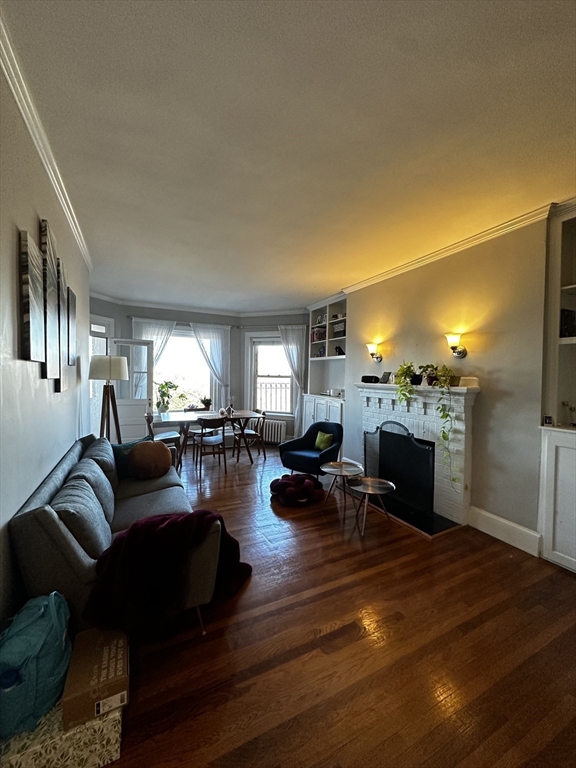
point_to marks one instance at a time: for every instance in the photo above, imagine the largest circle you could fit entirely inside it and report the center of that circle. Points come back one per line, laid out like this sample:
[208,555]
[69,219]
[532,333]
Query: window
[182,363]
[272,381]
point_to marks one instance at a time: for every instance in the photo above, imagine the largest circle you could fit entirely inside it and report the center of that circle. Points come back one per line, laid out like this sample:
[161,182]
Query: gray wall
[37,425]
[494,291]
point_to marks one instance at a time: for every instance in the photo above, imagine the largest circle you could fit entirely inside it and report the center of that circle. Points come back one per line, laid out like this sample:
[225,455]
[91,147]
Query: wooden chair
[211,440]
[168,438]
[255,435]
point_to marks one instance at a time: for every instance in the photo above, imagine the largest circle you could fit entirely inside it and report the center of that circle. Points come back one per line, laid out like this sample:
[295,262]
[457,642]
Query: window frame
[184,332]
[251,338]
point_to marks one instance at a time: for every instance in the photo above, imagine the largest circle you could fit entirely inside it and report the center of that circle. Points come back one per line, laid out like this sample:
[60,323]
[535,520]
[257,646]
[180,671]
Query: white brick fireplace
[419,416]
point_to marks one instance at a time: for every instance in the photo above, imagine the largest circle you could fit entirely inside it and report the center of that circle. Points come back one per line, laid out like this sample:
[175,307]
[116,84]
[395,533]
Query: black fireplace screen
[408,462]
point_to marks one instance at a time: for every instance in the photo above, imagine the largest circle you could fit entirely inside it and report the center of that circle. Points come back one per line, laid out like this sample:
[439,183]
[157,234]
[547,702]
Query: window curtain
[295,342]
[214,343]
[158,331]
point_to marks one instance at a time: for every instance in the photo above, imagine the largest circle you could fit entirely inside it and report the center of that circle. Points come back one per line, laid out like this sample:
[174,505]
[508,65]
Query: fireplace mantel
[419,415]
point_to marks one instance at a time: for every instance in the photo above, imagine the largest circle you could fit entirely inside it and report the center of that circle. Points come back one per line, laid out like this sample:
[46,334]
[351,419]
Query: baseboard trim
[511,533]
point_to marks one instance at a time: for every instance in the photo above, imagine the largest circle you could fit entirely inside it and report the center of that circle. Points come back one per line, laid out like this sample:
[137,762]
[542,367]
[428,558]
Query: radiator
[274,431]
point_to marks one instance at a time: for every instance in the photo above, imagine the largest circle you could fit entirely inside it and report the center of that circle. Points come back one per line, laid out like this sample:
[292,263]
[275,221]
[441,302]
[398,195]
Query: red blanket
[141,576]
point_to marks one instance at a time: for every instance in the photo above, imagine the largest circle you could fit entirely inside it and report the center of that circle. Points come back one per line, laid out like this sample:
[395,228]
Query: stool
[341,469]
[371,486]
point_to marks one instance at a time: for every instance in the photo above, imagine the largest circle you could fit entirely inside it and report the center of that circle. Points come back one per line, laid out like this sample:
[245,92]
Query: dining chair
[211,440]
[254,435]
[168,438]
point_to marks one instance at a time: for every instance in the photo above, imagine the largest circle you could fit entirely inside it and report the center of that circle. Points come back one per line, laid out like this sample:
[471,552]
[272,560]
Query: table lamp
[108,368]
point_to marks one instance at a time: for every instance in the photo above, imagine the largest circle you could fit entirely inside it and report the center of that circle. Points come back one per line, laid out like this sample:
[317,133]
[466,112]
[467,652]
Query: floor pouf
[295,490]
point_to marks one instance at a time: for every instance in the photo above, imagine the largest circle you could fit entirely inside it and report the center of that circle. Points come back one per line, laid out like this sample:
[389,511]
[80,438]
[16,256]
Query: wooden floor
[385,651]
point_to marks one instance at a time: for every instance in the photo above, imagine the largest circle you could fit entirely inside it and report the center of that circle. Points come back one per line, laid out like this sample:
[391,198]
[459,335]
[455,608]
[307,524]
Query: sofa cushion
[121,452]
[149,460]
[132,487]
[101,452]
[88,470]
[81,512]
[163,502]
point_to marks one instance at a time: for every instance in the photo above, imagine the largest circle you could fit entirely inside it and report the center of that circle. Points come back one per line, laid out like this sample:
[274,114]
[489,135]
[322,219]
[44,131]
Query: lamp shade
[108,368]
[372,348]
[453,339]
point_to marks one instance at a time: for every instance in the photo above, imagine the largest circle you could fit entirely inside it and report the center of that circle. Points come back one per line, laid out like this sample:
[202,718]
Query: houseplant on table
[166,391]
[206,402]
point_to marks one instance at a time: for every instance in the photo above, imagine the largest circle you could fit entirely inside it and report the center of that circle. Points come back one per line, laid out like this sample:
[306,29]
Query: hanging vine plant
[444,410]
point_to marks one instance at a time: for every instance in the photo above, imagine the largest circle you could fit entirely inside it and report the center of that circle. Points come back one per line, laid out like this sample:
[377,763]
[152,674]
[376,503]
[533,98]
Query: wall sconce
[373,350]
[453,340]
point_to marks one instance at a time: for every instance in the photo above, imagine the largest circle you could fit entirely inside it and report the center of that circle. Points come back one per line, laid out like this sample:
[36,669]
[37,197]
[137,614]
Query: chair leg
[200,619]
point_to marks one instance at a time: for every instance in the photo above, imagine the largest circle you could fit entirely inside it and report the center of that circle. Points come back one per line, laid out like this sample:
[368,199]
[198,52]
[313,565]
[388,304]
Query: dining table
[185,419]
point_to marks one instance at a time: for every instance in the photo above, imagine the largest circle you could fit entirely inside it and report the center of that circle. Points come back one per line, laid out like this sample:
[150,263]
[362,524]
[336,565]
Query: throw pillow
[89,470]
[121,453]
[323,441]
[149,460]
[81,512]
[101,452]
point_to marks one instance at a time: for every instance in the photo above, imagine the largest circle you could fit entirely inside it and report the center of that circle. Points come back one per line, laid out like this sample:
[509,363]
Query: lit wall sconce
[453,340]
[373,350]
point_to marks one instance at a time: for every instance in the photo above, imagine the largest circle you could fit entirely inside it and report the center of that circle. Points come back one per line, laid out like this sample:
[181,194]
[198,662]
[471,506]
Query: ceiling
[259,156]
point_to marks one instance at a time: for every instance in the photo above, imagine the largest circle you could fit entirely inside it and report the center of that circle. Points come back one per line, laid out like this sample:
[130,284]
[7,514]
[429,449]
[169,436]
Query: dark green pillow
[121,451]
[323,441]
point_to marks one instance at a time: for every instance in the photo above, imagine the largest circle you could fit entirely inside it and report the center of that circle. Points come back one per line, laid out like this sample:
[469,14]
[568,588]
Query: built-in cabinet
[327,345]
[560,347]
[556,509]
[318,408]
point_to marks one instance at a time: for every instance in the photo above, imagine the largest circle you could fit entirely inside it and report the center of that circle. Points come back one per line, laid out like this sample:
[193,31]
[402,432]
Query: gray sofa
[73,516]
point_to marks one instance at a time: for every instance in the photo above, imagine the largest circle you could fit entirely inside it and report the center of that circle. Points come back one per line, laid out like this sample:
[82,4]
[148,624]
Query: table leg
[328,492]
[184,429]
[365,513]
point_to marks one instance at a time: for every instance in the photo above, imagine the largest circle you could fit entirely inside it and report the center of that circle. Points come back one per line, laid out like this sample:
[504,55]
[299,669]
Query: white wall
[494,291]
[37,425]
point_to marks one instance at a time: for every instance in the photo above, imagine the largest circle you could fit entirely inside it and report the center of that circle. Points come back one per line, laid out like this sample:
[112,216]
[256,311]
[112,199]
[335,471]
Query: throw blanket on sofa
[140,577]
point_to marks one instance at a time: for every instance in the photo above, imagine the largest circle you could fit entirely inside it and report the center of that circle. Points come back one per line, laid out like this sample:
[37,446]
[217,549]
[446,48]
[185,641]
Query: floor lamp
[108,368]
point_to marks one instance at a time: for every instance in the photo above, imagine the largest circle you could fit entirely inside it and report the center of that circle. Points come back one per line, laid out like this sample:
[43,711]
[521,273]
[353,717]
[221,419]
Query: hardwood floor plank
[345,651]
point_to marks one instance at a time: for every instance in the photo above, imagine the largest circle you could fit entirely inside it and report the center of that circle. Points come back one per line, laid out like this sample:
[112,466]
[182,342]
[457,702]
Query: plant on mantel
[438,377]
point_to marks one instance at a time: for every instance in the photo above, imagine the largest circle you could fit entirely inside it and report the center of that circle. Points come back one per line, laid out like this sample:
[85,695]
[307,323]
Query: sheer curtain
[295,342]
[159,331]
[214,343]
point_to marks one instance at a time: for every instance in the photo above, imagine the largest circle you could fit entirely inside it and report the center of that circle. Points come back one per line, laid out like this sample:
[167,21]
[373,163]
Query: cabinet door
[334,411]
[320,409]
[309,415]
[557,493]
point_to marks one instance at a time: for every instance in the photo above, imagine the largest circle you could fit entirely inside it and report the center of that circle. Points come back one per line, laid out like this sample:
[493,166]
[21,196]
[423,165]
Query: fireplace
[452,484]
[393,453]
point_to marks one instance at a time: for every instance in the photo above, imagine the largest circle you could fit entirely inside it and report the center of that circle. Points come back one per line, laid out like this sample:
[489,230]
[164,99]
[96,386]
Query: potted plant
[166,390]
[206,402]
[405,379]
[430,373]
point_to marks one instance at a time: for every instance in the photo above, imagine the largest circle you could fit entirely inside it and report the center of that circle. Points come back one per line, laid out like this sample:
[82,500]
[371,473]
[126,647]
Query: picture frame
[60,383]
[32,330]
[51,365]
[71,327]
[547,421]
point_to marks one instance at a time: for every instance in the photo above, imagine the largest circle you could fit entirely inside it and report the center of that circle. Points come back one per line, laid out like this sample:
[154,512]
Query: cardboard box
[91,745]
[97,680]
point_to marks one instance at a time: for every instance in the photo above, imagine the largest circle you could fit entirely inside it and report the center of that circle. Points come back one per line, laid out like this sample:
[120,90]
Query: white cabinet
[322,409]
[557,505]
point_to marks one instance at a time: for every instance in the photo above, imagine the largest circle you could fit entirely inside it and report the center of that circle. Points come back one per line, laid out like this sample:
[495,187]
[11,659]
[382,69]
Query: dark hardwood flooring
[388,651]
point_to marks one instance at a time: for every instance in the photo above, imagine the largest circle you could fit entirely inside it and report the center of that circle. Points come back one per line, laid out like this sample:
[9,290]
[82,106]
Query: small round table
[341,469]
[371,486]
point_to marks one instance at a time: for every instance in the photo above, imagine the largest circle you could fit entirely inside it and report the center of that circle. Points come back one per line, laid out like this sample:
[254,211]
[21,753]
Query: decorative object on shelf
[370,379]
[339,330]
[567,323]
[322,351]
[339,350]
[319,320]
[385,378]
[373,352]
[318,334]
[458,350]
[547,421]
[325,318]
[109,368]
[166,391]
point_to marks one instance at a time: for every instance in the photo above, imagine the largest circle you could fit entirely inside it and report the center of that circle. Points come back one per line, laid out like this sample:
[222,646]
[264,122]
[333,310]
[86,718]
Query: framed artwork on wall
[51,364]
[60,383]
[71,327]
[32,300]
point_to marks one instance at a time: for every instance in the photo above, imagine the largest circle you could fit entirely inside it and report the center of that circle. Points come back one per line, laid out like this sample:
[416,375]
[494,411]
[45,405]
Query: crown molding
[197,310]
[509,226]
[15,78]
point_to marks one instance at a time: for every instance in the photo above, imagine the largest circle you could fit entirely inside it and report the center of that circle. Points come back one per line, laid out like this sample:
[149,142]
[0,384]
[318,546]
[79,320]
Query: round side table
[371,486]
[343,469]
